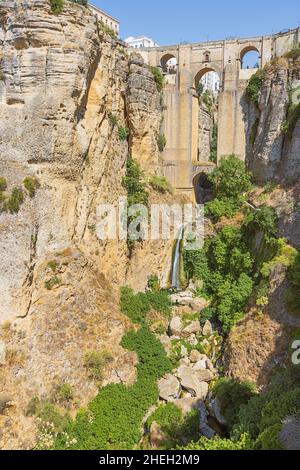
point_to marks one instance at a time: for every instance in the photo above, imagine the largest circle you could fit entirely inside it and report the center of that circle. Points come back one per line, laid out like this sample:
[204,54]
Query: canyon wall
[67,89]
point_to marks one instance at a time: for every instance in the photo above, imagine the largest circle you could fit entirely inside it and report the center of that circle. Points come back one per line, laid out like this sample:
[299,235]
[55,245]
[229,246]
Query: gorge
[192,348]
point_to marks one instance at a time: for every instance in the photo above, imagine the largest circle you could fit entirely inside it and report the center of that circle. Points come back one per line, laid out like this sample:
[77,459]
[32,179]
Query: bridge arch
[168,63]
[249,57]
[203,188]
[200,74]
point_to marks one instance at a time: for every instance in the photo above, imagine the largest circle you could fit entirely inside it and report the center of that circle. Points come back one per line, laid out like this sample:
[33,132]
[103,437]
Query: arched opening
[168,64]
[203,188]
[207,80]
[250,58]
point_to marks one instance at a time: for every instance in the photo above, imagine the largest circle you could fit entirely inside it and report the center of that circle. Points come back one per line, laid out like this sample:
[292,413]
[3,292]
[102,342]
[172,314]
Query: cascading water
[176,284]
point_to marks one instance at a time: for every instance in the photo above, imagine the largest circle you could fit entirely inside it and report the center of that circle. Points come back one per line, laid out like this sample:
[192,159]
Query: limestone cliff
[66,90]
[272,141]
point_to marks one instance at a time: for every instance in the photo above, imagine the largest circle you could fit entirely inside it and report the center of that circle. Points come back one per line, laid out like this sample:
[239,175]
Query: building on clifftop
[106,19]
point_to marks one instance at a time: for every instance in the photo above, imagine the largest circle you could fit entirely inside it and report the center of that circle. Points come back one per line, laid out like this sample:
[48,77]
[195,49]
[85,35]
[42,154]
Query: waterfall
[176,284]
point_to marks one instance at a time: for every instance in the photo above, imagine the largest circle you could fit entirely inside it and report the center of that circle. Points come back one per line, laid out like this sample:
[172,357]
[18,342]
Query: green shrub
[31,184]
[57,6]
[160,184]
[161,142]
[294,281]
[153,283]
[47,412]
[113,119]
[53,265]
[200,89]
[270,438]
[80,2]
[226,207]
[253,89]
[244,443]
[294,54]
[106,29]
[293,116]
[230,179]
[3,184]
[95,362]
[123,133]
[64,393]
[265,220]
[231,396]
[135,306]
[54,281]
[15,200]
[153,362]
[158,77]
[214,145]
[178,429]
[160,301]
[137,193]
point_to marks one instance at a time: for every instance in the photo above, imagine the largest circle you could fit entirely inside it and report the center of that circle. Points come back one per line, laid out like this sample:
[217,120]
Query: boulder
[157,436]
[204,375]
[192,328]
[187,404]
[205,429]
[184,361]
[175,326]
[185,298]
[215,410]
[169,387]
[196,356]
[2,353]
[290,433]
[200,365]
[207,329]
[166,342]
[193,340]
[191,382]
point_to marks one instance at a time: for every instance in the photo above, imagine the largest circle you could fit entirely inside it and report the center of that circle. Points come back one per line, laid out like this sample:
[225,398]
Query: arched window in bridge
[250,58]
[207,80]
[169,64]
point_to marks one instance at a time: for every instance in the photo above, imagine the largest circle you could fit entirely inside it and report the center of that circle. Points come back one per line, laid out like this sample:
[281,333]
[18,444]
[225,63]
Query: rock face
[271,154]
[67,88]
[206,123]
[144,110]
[290,434]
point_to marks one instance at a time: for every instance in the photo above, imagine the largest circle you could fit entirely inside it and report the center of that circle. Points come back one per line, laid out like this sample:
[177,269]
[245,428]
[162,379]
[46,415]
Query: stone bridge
[180,125]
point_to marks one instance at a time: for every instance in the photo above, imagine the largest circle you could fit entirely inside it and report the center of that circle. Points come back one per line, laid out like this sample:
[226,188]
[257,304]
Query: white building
[211,82]
[140,42]
[106,19]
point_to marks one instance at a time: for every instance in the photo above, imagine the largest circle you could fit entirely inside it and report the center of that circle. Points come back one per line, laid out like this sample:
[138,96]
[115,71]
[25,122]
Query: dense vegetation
[113,420]
[254,86]
[177,428]
[158,77]
[230,181]
[137,306]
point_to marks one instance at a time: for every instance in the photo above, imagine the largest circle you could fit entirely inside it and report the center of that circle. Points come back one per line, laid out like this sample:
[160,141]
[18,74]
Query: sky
[172,22]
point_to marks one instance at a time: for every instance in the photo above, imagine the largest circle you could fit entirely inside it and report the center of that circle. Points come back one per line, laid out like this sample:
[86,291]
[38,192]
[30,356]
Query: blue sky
[172,22]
